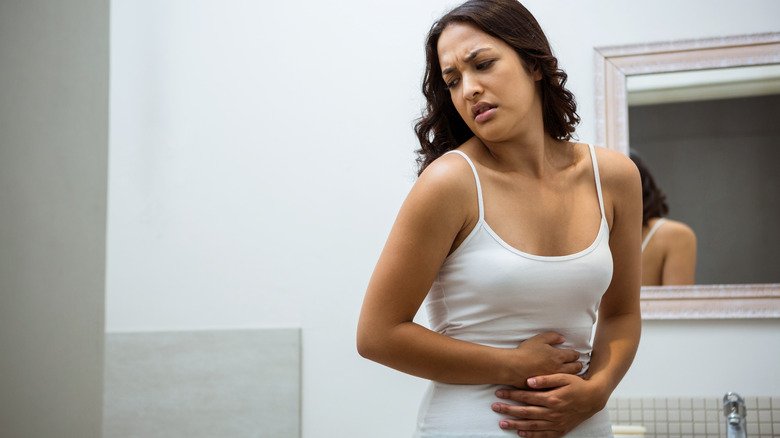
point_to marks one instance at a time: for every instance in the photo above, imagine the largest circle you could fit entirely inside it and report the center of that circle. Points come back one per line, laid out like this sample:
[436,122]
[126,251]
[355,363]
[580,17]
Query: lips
[483,111]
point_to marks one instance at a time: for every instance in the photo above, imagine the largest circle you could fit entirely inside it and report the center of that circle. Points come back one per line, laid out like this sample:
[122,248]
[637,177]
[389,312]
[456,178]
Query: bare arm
[434,213]
[619,324]
[679,266]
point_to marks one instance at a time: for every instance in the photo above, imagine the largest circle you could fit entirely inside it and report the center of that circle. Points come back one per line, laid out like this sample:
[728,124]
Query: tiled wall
[694,417]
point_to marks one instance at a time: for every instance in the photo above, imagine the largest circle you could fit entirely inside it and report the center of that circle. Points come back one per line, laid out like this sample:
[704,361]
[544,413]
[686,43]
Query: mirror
[687,102]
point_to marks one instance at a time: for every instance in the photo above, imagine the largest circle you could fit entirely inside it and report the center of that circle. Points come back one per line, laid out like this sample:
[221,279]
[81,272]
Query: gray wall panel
[54,68]
[227,383]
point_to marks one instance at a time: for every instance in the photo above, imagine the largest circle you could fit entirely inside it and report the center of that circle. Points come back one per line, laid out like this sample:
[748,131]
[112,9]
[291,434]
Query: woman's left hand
[558,404]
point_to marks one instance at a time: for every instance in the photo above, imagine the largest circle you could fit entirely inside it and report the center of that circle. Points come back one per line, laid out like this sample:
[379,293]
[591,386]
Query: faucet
[734,411]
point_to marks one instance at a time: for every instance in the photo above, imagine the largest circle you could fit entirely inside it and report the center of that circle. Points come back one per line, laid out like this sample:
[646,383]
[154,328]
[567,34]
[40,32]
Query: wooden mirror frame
[613,65]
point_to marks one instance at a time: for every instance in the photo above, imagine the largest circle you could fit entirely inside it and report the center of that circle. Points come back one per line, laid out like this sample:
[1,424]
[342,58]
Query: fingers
[551,338]
[528,397]
[550,381]
[571,368]
[571,355]
[524,412]
[532,428]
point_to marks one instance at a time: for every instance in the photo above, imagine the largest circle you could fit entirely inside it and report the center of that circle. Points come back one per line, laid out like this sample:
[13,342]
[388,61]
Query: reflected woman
[515,236]
[668,246]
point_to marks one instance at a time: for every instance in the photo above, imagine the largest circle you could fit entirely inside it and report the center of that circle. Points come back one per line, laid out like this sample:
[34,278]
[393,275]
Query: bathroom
[185,250]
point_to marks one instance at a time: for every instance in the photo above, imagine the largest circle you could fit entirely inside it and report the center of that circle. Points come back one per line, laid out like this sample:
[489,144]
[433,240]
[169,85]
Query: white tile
[661,416]
[711,403]
[764,403]
[686,428]
[686,416]
[699,428]
[698,403]
[648,415]
[659,403]
[764,416]
[674,428]
[673,403]
[699,416]
[765,428]
[674,416]
[635,403]
[636,415]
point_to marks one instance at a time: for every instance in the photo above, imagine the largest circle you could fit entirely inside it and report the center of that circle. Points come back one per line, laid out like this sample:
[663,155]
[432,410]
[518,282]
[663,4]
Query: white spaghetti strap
[652,231]
[598,179]
[476,178]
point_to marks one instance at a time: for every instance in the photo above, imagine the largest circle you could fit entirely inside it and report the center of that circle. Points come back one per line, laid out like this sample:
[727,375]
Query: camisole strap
[598,179]
[476,178]
[652,231]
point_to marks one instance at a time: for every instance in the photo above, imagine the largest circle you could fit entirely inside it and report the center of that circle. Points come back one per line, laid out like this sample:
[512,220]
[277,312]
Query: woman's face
[488,83]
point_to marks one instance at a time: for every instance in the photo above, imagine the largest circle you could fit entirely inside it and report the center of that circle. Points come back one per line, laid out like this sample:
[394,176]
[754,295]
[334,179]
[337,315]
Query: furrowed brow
[467,58]
[474,53]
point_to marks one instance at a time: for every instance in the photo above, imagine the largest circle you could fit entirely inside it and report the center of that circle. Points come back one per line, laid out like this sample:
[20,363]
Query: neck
[531,151]
[534,154]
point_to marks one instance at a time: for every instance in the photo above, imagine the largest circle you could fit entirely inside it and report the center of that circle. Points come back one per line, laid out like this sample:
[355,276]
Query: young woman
[668,246]
[516,235]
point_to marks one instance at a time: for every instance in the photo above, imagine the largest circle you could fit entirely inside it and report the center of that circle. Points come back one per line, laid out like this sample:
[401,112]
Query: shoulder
[449,175]
[616,169]
[677,232]
[445,189]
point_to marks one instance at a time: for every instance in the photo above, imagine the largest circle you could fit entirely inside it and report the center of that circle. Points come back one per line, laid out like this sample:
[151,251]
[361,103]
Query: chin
[493,134]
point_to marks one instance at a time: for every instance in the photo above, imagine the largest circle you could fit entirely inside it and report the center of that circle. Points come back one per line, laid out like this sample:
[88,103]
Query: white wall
[53,157]
[259,153]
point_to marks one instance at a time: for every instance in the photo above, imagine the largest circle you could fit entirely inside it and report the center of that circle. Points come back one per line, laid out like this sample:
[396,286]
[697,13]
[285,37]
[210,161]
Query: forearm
[416,350]
[614,347]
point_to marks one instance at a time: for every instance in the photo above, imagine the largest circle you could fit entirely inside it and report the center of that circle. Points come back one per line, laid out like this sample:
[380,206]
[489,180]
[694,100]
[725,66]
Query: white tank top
[652,231]
[491,293]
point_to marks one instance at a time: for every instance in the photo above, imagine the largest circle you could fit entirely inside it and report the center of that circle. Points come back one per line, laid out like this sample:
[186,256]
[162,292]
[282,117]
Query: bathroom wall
[53,159]
[259,153]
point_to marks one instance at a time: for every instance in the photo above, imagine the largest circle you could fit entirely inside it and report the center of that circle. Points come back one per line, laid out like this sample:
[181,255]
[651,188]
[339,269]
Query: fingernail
[503,424]
[496,407]
[501,394]
[532,381]
[521,434]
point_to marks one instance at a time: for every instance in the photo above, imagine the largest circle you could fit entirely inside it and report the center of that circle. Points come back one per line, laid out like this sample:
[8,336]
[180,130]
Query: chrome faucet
[734,411]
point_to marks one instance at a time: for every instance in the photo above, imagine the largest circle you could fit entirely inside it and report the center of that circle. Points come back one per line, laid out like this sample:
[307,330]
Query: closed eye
[485,64]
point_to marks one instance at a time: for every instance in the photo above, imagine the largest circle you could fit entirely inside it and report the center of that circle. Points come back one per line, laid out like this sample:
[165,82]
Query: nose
[472,88]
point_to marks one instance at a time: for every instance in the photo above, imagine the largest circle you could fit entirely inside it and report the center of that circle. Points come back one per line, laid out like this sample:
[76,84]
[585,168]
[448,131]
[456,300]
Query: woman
[498,233]
[668,246]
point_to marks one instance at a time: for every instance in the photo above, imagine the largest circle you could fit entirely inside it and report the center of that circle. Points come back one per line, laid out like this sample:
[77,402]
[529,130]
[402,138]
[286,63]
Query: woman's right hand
[538,356]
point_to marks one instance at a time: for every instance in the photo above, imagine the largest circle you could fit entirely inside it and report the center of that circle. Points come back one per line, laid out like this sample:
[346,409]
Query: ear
[537,72]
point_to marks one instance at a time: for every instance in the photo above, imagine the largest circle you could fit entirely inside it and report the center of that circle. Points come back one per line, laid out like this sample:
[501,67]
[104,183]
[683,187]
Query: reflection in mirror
[710,140]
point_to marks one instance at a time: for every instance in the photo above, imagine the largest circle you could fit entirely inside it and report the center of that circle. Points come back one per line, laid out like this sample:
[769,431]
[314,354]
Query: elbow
[365,345]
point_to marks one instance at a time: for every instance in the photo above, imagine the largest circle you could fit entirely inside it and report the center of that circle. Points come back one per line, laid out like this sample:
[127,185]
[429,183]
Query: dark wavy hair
[653,199]
[441,128]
